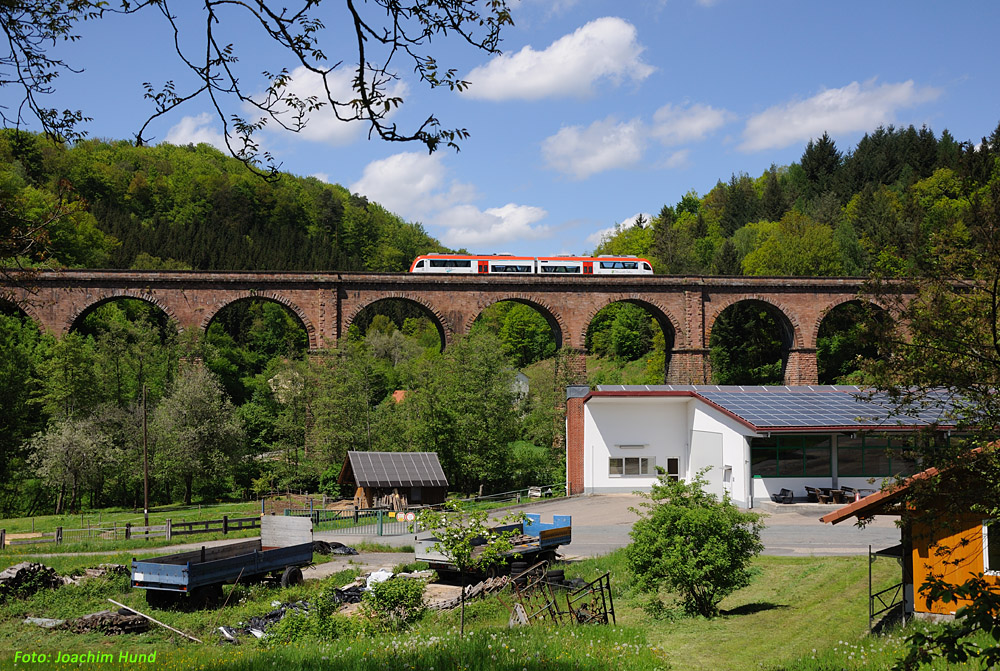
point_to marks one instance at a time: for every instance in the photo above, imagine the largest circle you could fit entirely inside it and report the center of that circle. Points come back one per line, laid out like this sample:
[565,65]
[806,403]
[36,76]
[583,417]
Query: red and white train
[531,265]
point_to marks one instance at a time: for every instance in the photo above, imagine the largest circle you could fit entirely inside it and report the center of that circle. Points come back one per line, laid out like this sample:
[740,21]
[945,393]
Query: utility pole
[145,466]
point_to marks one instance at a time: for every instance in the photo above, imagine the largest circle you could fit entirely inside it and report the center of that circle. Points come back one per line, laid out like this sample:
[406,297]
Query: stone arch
[553,317]
[844,300]
[839,357]
[788,317]
[662,315]
[117,294]
[26,308]
[668,324]
[444,326]
[272,297]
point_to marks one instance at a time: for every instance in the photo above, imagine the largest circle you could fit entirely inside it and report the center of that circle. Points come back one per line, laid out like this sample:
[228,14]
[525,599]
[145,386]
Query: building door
[706,452]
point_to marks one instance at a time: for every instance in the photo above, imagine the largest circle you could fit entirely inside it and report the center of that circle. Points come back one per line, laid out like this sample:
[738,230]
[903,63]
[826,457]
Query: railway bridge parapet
[328,302]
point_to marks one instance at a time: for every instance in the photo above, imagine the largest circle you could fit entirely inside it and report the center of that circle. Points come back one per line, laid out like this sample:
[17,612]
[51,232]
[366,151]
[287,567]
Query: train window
[645,266]
[511,269]
[560,269]
[450,263]
[420,264]
[620,265]
[630,265]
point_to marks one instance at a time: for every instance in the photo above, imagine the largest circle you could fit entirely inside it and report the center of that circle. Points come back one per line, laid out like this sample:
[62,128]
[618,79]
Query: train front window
[645,266]
[420,264]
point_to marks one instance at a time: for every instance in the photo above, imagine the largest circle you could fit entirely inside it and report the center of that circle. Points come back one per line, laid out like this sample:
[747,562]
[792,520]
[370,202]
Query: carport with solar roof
[752,441]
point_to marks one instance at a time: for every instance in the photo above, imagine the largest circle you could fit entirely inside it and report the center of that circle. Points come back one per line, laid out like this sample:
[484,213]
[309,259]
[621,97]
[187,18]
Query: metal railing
[361,522]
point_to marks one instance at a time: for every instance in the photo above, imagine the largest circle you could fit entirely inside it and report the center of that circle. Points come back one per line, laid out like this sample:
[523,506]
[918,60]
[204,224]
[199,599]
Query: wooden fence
[167,530]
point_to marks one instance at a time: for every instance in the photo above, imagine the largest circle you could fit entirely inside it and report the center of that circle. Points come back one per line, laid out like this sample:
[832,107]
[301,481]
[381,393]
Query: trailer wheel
[291,576]
[160,599]
[206,596]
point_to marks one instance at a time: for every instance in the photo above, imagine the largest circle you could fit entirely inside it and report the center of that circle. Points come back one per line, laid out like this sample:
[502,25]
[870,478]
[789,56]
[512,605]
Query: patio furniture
[812,495]
[850,494]
[783,496]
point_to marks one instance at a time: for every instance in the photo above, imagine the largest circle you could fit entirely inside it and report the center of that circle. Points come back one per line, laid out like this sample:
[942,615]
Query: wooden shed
[954,544]
[394,480]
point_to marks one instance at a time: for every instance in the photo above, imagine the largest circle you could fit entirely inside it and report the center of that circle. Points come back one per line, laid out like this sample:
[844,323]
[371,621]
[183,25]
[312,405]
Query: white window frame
[650,467]
[986,549]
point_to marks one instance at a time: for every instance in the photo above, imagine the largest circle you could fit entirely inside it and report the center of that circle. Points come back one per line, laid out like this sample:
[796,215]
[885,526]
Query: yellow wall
[954,551]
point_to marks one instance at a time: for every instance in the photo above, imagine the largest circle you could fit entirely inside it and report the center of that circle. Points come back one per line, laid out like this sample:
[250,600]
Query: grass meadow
[799,614]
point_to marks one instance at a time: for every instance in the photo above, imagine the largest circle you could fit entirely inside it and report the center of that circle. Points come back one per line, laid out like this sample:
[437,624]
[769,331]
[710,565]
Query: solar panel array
[397,469]
[809,406]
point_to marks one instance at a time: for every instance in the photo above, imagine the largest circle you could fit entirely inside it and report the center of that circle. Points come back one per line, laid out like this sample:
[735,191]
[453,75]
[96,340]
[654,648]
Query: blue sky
[596,111]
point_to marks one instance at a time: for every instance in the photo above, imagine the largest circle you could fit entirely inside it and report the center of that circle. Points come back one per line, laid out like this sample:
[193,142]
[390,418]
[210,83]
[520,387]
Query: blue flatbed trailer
[200,574]
[533,540]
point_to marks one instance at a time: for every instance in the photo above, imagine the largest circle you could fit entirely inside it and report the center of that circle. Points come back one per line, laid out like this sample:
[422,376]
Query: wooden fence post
[128,530]
[58,535]
[225,524]
[3,538]
[170,530]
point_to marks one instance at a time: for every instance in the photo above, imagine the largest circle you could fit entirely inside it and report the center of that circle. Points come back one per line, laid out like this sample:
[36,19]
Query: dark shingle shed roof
[394,469]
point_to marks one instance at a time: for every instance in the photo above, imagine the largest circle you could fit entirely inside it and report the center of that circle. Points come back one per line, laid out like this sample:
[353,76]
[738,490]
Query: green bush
[693,544]
[393,604]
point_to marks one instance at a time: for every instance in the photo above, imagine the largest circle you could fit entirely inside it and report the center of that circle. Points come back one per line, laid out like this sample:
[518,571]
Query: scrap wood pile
[110,623]
[26,578]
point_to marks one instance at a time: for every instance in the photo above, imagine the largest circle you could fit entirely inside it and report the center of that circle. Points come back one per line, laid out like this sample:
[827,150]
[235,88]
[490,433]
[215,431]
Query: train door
[588,267]
[484,267]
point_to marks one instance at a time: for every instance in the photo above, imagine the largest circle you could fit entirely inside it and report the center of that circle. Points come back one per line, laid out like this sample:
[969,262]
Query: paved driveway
[602,523]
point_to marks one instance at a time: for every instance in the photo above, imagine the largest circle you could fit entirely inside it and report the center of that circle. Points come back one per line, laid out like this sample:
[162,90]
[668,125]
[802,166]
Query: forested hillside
[242,410]
[193,208]
[879,207]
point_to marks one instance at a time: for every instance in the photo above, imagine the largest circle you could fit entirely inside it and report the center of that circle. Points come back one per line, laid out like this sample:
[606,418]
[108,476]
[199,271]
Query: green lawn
[800,613]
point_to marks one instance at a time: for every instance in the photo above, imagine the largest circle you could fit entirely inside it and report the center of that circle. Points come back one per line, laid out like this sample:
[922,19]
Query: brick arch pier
[327,302]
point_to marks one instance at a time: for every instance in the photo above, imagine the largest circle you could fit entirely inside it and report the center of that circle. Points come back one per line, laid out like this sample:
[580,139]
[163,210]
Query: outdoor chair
[784,496]
[812,495]
[850,494]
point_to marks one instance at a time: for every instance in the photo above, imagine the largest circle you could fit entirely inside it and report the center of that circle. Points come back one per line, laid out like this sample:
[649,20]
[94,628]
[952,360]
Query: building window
[991,548]
[619,466]
[673,469]
[791,456]
[872,456]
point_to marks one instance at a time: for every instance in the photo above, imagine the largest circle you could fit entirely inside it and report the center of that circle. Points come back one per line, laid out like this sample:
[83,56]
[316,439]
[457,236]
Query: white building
[753,441]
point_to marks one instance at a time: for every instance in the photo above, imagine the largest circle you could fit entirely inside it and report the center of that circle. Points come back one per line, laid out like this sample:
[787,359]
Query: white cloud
[468,226]
[679,159]
[605,48]
[417,186]
[413,185]
[677,125]
[322,125]
[322,176]
[855,107]
[597,237]
[603,145]
[196,130]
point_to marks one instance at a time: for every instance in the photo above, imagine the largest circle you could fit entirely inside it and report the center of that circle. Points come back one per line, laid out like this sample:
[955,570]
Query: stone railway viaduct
[327,302]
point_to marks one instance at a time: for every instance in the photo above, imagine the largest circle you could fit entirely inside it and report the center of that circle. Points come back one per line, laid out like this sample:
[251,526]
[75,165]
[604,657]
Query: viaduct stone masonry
[327,302]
